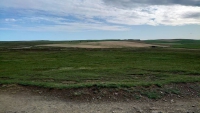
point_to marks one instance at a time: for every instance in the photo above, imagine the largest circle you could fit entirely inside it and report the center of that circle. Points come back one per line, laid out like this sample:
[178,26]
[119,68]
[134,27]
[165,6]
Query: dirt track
[11,103]
[103,44]
[23,100]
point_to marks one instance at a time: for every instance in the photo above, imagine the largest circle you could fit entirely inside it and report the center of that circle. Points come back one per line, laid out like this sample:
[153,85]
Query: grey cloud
[192,15]
[132,3]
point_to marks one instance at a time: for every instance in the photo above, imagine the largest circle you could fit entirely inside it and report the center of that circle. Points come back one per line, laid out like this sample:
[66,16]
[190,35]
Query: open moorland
[106,44]
[102,70]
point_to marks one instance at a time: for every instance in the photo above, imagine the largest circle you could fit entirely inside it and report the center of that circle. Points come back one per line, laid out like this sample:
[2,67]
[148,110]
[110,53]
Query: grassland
[76,68]
[177,43]
[21,44]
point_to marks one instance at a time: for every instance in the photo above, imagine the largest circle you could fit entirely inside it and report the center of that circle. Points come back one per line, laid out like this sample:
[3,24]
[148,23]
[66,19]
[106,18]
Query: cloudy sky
[99,19]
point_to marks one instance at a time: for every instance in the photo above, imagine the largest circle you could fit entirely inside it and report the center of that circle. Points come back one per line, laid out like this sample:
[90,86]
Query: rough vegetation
[151,79]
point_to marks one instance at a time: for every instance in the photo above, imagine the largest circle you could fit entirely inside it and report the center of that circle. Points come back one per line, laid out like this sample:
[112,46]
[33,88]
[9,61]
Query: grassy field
[177,43]
[20,44]
[75,68]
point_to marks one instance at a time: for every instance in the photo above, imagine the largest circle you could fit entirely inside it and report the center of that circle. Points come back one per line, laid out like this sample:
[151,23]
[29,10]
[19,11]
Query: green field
[73,67]
[177,43]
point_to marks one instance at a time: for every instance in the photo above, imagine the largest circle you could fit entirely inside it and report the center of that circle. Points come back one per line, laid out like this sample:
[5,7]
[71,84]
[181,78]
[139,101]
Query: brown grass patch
[104,44]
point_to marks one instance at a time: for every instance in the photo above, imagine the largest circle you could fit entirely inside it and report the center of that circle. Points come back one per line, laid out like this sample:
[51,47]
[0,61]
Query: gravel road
[26,103]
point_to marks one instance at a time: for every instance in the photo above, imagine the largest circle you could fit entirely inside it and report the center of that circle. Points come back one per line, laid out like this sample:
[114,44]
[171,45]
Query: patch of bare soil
[104,44]
[25,99]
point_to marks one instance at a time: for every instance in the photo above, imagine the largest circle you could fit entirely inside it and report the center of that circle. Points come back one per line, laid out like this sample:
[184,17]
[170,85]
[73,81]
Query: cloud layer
[131,3]
[112,15]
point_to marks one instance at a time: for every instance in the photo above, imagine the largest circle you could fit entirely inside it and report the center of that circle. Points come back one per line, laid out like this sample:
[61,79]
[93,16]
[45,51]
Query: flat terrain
[120,67]
[17,99]
[105,44]
[102,76]
[177,43]
[39,104]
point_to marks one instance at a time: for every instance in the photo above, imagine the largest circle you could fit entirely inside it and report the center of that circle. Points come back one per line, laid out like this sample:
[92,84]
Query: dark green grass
[177,43]
[73,68]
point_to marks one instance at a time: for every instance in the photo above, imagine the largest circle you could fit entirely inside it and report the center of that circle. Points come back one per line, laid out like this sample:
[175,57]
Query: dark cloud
[192,15]
[132,3]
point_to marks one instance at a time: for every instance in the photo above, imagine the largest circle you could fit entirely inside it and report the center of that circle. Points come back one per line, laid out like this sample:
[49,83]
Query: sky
[99,19]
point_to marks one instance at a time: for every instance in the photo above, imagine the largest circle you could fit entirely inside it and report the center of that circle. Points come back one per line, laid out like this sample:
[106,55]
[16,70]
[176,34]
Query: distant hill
[177,43]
